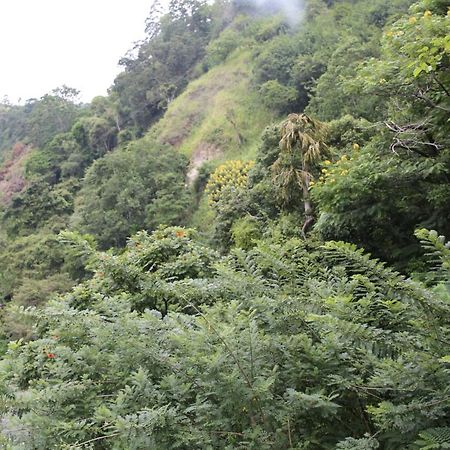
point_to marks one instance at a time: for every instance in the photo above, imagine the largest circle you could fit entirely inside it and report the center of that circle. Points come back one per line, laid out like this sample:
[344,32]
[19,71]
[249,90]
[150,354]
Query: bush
[277,96]
[297,340]
[219,49]
[245,232]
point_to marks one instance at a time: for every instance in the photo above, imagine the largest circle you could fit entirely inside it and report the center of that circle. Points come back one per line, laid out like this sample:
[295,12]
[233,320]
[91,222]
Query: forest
[243,245]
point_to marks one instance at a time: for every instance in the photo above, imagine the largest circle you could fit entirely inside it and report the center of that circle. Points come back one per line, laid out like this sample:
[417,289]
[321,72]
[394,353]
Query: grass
[219,112]
[217,118]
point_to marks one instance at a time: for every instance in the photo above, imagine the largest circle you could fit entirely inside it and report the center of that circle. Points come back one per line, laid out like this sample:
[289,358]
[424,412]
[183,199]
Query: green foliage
[299,347]
[438,254]
[53,114]
[245,232]
[163,64]
[315,58]
[397,182]
[39,205]
[13,125]
[434,438]
[411,76]
[284,341]
[219,49]
[133,189]
[358,444]
[275,95]
[346,211]
[275,60]
[232,205]
[39,120]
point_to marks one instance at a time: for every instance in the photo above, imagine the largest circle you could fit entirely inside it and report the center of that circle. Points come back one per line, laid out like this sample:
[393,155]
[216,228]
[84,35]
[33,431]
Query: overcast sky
[47,43]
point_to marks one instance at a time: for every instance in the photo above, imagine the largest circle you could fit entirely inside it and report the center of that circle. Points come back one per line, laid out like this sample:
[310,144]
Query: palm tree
[301,147]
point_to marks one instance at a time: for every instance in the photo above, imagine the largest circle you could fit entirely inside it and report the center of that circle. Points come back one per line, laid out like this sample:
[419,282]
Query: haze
[48,43]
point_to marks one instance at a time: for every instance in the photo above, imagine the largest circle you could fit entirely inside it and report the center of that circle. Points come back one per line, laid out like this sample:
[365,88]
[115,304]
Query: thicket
[381,176]
[299,345]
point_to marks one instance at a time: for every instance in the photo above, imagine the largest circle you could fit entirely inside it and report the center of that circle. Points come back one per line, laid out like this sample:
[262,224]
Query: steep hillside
[292,293]
[12,178]
[219,116]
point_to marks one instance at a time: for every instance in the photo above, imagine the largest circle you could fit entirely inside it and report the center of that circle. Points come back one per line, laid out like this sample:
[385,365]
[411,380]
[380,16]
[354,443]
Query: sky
[47,43]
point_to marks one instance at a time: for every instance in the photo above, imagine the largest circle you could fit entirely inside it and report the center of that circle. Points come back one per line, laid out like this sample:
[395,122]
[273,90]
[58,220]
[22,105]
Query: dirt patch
[204,92]
[12,178]
[203,153]
[176,137]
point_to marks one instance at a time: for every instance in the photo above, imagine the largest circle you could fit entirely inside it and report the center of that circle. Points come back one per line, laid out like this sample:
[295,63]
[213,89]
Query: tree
[398,180]
[130,190]
[160,66]
[293,346]
[52,114]
[302,146]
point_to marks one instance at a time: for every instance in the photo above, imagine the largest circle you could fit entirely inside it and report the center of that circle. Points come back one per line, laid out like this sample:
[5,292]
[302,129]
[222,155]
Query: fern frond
[381,343]
[245,262]
[434,438]
[356,261]
[438,252]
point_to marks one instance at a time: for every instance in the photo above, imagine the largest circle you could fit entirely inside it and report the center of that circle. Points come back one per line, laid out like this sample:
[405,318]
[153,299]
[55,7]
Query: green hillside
[219,116]
[244,245]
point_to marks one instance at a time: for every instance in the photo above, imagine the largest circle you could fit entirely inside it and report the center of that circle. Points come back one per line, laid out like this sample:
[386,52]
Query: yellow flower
[327,162]
[412,20]
[324,171]
[427,13]
[389,34]
[356,147]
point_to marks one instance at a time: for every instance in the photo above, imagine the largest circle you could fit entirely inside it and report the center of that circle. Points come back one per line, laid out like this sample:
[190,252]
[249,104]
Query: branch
[98,439]
[435,78]
[409,137]
[421,95]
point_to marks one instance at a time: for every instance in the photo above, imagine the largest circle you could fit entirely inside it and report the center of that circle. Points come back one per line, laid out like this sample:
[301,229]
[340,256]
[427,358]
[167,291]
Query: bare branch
[411,137]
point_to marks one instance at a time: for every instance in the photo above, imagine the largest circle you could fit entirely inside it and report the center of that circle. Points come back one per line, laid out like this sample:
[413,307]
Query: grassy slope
[200,122]
[218,117]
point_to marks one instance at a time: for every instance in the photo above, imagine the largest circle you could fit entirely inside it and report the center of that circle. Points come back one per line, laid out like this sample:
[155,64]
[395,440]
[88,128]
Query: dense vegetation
[309,308]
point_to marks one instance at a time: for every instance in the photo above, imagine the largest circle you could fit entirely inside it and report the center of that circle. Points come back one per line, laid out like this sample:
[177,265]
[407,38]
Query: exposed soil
[177,137]
[204,152]
[12,178]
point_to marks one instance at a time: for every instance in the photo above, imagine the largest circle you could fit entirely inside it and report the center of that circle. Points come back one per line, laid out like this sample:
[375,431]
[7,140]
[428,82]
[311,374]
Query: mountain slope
[219,116]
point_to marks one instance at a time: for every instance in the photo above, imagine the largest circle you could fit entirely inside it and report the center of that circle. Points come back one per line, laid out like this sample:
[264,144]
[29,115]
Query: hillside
[12,177]
[244,245]
[218,117]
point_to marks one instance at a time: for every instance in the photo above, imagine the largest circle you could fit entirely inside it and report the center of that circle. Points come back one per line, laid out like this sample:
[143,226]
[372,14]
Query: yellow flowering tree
[229,175]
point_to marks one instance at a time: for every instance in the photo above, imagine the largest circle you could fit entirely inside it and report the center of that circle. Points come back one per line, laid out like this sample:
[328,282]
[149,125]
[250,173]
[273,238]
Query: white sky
[47,43]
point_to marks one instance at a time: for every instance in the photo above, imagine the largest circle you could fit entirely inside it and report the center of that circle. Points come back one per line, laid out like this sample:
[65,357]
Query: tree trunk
[308,209]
